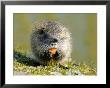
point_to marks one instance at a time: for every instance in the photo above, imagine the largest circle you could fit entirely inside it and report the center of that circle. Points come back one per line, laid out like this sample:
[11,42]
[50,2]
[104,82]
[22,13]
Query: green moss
[24,65]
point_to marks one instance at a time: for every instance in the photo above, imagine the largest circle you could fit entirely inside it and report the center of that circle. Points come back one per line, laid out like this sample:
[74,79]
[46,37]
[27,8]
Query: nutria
[50,40]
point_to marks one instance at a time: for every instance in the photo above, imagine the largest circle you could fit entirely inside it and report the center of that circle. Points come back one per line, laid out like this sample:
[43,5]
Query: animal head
[50,33]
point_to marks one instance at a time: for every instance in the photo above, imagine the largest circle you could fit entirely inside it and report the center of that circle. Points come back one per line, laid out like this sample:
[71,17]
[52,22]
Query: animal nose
[55,40]
[53,44]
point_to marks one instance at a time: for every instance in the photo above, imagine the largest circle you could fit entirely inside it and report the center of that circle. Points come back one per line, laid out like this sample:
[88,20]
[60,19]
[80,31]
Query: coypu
[50,40]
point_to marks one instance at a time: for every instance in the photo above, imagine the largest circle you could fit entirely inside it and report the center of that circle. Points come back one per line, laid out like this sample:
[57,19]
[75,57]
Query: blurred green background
[83,27]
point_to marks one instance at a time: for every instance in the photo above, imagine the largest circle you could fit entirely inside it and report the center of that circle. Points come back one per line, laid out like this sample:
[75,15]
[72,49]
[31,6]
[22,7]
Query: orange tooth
[52,50]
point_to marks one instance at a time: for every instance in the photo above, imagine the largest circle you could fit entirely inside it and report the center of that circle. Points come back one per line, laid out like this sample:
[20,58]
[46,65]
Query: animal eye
[41,32]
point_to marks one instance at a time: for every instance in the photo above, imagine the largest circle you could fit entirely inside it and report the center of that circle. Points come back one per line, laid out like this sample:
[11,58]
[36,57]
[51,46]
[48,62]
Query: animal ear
[41,32]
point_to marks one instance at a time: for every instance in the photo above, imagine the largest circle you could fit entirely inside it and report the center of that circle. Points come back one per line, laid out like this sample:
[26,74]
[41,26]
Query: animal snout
[54,42]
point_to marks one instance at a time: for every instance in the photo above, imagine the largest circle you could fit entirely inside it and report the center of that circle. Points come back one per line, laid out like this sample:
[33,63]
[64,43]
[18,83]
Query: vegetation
[24,65]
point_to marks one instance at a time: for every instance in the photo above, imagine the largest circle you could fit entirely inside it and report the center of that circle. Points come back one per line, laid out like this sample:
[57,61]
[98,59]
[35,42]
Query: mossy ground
[24,65]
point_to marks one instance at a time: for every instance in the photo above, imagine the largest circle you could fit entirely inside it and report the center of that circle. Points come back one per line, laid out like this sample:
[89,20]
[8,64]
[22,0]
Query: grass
[24,65]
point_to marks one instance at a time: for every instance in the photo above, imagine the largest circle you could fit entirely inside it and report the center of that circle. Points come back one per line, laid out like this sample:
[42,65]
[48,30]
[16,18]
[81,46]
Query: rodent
[51,40]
